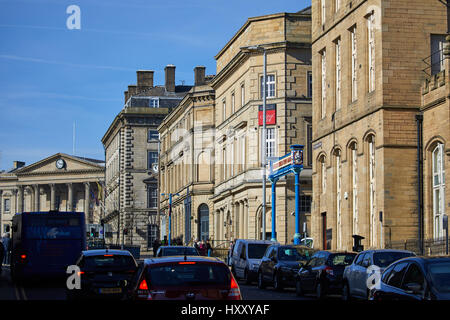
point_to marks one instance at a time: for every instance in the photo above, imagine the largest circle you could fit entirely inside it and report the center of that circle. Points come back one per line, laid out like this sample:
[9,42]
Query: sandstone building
[131,153]
[59,182]
[237,198]
[187,162]
[368,57]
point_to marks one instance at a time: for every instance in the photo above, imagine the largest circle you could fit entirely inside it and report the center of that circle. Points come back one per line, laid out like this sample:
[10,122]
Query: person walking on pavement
[202,248]
[208,248]
[156,245]
[6,240]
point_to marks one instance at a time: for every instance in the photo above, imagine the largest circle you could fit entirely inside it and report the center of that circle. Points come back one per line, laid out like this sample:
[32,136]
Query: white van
[246,258]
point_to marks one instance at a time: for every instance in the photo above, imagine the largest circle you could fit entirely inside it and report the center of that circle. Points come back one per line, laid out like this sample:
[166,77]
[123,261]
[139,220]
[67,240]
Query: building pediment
[61,163]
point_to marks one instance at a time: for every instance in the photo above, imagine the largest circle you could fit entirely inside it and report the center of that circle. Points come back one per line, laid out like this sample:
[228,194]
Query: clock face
[60,163]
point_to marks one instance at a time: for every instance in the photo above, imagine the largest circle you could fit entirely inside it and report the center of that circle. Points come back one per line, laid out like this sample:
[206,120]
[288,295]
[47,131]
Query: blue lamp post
[297,167]
[170,214]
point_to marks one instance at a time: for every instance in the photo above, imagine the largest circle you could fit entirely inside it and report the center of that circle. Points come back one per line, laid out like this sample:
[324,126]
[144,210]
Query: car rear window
[174,251]
[341,259]
[192,274]
[294,253]
[383,259]
[440,276]
[256,250]
[109,261]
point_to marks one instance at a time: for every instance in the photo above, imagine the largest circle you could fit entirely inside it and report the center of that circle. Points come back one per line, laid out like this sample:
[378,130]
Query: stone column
[52,196]
[86,200]
[70,197]
[19,199]
[241,220]
[36,197]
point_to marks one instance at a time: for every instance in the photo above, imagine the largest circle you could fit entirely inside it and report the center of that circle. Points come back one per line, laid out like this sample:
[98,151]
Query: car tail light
[108,255]
[329,270]
[80,273]
[235,292]
[186,262]
[142,291]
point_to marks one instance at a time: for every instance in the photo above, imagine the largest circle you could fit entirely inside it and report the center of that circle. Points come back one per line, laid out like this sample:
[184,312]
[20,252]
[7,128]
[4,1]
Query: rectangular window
[437,53]
[309,81]
[305,204]
[152,196]
[354,80]
[224,164]
[270,87]
[354,190]
[224,110]
[7,205]
[152,158]
[242,95]
[270,142]
[309,144]
[232,103]
[324,84]
[232,159]
[243,150]
[438,190]
[338,73]
[153,135]
[153,103]
[371,51]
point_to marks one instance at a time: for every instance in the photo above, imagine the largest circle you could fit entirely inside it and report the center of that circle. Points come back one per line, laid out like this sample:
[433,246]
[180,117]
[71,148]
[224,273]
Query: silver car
[365,264]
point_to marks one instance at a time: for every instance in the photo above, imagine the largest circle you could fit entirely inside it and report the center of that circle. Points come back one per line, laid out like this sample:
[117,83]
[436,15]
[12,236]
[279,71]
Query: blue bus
[43,244]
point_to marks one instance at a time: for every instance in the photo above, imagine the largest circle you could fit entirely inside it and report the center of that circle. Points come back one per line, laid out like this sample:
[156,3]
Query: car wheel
[298,288]
[277,282]
[246,277]
[319,291]
[346,296]
[261,284]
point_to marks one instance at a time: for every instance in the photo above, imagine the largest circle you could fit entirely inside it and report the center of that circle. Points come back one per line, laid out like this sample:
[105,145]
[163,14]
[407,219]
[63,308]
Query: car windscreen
[383,259]
[109,261]
[188,274]
[48,228]
[341,259]
[294,254]
[180,251]
[440,276]
[256,250]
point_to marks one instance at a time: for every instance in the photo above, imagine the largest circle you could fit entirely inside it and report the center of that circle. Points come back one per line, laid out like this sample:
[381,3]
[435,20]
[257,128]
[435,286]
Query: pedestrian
[196,245]
[156,245]
[208,248]
[6,240]
[202,248]
[2,255]
[230,252]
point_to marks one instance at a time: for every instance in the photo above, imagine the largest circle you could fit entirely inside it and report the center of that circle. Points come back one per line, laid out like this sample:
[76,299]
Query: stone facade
[237,198]
[367,67]
[186,162]
[42,186]
[131,149]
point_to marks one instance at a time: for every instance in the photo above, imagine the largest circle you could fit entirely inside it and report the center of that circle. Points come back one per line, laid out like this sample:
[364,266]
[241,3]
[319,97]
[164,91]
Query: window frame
[270,86]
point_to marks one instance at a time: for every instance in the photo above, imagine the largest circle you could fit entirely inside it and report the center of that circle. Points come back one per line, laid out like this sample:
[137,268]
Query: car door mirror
[413,288]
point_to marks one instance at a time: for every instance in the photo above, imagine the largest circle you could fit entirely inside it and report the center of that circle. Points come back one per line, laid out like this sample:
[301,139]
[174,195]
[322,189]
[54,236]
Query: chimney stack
[18,164]
[144,78]
[199,75]
[125,93]
[170,78]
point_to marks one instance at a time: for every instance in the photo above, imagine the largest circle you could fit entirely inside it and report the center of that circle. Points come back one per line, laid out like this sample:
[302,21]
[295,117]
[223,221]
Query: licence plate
[110,290]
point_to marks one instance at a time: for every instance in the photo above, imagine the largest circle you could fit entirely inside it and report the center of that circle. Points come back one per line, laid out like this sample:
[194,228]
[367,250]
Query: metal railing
[431,247]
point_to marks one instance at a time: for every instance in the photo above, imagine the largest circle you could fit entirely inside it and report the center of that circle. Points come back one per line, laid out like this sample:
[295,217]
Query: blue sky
[52,77]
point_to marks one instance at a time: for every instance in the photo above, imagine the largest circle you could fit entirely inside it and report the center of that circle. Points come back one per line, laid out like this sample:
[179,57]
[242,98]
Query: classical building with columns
[60,182]
[186,162]
[238,85]
[131,153]
[370,59]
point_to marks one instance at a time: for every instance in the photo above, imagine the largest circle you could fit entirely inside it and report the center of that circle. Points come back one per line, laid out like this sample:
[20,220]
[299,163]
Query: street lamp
[263,160]
[170,213]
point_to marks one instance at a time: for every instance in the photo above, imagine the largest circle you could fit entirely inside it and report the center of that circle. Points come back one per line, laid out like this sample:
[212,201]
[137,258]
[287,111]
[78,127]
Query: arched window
[354,183]
[438,190]
[371,180]
[203,222]
[338,177]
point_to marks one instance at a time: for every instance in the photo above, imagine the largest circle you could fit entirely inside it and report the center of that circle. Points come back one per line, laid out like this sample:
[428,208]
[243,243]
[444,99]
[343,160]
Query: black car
[185,278]
[104,274]
[414,278]
[322,274]
[280,263]
[165,251]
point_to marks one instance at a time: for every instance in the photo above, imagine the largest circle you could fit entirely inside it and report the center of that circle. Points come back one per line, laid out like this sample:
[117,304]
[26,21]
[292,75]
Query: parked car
[104,274]
[356,275]
[185,278]
[415,278]
[246,257]
[280,264]
[322,274]
[165,251]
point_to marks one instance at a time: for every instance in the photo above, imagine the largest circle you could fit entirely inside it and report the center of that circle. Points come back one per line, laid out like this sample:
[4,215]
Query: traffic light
[92,232]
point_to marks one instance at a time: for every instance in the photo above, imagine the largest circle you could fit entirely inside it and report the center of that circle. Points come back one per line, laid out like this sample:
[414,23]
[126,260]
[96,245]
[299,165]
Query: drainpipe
[419,120]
